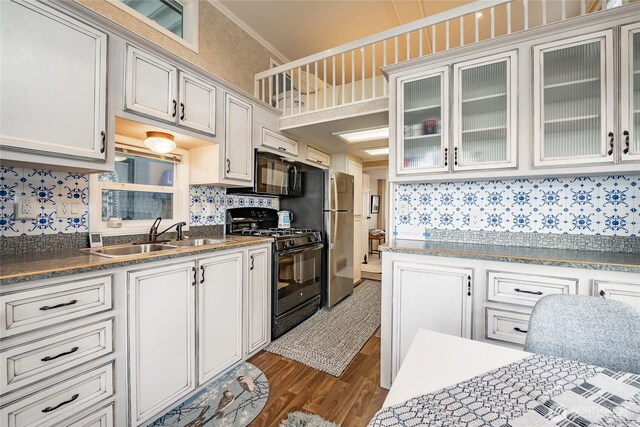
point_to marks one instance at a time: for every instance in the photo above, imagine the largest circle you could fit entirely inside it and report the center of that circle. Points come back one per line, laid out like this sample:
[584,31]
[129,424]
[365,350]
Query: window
[177,19]
[143,187]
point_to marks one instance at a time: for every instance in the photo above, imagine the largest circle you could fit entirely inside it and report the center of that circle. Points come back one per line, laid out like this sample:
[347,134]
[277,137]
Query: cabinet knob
[602,294]
[228,165]
[49,408]
[202,274]
[181,111]
[104,141]
[455,156]
[252,263]
[446,156]
[194,276]
[610,135]
[626,142]
[175,108]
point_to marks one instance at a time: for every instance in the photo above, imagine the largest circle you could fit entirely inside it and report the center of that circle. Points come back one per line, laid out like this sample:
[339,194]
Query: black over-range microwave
[274,176]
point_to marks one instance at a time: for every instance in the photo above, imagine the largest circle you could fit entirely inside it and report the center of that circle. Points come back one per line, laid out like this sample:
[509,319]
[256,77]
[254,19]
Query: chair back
[588,329]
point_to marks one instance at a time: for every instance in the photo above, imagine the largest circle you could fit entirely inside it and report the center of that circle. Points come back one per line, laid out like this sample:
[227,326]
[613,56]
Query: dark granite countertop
[611,261]
[44,265]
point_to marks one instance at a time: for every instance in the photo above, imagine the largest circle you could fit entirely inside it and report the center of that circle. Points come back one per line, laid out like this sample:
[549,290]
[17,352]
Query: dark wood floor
[350,400]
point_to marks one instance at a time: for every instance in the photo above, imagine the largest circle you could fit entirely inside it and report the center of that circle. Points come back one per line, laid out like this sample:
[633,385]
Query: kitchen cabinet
[630,91]
[428,296]
[318,157]
[219,314]
[156,88]
[237,148]
[618,290]
[485,113]
[258,297]
[422,130]
[573,87]
[54,87]
[161,339]
[276,141]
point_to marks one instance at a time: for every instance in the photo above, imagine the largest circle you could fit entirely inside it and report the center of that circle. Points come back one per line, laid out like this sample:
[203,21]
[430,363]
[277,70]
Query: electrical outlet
[403,208]
[66,208]
[26,207]
[475,220]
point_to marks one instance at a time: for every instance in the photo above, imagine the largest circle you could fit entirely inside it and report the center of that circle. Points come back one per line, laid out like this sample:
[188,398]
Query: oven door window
[299,278]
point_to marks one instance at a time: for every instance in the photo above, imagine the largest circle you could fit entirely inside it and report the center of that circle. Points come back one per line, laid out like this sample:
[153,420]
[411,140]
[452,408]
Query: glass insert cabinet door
[573,101]
[485,108]
[422,123]
[630,92]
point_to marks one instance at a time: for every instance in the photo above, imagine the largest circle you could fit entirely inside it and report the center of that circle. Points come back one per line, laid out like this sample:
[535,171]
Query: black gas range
[296,265]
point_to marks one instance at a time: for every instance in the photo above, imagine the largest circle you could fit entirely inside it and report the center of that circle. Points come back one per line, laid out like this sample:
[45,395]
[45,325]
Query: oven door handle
[300,250]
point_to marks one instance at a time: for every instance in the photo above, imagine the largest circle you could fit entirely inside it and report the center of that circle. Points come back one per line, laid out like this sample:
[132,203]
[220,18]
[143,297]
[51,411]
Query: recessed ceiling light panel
[381,151]
[364,135]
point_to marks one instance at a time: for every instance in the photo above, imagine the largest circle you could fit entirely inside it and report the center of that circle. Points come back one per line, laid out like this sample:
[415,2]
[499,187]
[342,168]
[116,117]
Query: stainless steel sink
[116,251]
[196,242]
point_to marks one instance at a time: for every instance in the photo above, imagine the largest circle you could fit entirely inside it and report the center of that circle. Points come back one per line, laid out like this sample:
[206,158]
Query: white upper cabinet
[485,111]
[630,91]
[238,128]
[197,104]
[150,85]
[422,123]
[573,101]
[156,88]
[54,84]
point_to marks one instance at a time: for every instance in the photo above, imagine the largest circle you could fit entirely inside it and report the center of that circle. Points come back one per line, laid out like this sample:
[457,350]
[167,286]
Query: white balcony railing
[350,73]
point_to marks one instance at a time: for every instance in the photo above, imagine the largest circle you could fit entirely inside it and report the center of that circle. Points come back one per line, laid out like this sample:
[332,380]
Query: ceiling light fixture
[478,14]
[160,142]
[381,151]
[364,135]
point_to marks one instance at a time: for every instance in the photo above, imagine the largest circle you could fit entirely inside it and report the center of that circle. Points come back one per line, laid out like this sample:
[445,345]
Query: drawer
[63,400]
[29,310]
[100,418]
[279,142]
[26,363]
[508,326]
[317,156]
[626,292]
[526,289]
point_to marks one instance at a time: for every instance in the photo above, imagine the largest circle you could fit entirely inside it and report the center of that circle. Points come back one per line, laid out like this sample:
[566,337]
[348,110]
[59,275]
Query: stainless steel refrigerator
[327,206]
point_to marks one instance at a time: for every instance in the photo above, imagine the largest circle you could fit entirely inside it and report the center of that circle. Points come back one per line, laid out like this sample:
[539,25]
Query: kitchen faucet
[153,232]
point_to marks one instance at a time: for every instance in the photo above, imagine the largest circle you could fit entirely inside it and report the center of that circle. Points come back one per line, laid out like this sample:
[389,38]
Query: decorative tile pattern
[605,206]
[48,187]
[207,204]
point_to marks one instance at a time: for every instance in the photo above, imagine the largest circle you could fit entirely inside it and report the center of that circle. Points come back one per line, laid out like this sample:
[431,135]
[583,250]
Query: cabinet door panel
[150,85]
[258,300]
[237,142]
[53,79]
[630,92]
[161,337]
[219,314]
[485,110]
[423,123]
[626,292]
[573,101]
[428,297]
[197,104]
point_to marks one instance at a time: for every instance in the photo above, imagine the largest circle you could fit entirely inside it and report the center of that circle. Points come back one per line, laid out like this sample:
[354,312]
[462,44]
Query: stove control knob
[289,243]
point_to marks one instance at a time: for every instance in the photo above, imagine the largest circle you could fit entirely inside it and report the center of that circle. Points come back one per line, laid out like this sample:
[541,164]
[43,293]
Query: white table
[437,360]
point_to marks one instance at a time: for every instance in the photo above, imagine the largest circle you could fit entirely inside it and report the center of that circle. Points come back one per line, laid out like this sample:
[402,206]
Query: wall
[590,206]
[206,204]
[224,49]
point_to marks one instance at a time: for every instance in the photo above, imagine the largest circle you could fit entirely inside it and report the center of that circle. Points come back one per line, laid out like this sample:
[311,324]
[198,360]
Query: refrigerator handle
[334,214]
[335,193]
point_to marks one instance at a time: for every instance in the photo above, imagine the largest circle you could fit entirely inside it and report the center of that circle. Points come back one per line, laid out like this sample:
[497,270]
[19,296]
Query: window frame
[189,22]
[180,199]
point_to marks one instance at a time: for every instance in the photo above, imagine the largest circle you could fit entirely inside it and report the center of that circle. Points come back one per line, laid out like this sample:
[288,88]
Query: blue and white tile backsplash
[607,205]
[207,204]
[48,186]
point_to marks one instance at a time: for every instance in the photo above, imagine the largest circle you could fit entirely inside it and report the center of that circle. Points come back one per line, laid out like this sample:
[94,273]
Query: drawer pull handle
[524,331]
[47,358]
[524,291]
[49,408]
[46,307]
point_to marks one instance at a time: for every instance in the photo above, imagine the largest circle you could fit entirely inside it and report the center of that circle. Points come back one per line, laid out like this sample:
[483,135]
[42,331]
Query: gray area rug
[331,338]
[302,419]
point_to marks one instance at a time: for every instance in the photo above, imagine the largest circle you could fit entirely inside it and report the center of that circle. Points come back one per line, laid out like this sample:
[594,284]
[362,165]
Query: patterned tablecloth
[536,391]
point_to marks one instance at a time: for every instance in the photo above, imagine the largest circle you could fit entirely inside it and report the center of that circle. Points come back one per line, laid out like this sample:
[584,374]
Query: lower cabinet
[427,296]
[626,292]
[161,337]
[191,321]
[258,305]
[219,314]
